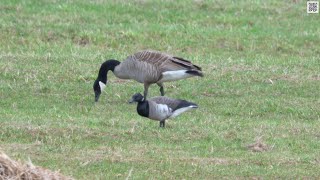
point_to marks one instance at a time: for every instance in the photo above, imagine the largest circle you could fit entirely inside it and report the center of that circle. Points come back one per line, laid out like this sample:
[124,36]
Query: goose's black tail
[184,103]
[195,72]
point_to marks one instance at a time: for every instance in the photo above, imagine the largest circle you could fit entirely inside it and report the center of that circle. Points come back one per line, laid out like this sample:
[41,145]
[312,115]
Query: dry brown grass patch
[258,146]
[210,161]
[10,169]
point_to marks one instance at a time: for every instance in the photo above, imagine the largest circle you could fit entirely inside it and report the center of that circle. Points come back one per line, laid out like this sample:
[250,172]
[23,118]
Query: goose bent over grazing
[147,67]
[161,108]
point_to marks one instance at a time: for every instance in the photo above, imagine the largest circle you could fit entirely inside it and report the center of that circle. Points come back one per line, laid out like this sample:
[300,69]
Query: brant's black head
[137,98]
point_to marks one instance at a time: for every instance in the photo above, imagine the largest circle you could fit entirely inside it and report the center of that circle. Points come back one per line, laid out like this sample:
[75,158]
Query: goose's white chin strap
[102,85]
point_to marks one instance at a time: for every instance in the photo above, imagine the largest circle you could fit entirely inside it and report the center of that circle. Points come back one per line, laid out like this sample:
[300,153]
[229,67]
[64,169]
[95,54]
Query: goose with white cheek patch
[161,108]
[147,67]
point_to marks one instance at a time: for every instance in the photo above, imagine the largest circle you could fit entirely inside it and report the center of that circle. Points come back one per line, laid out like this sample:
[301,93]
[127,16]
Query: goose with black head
[161,108]
[147,67]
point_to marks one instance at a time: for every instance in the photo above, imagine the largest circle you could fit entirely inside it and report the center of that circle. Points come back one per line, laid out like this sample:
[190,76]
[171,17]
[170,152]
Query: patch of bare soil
[258,146]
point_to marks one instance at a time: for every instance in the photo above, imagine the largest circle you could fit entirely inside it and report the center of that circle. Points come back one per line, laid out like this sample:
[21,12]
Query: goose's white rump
[174,75]
[181,110]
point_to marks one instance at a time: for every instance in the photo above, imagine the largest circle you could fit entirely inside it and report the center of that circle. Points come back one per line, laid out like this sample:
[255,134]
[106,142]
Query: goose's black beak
[96,95]
[131,101]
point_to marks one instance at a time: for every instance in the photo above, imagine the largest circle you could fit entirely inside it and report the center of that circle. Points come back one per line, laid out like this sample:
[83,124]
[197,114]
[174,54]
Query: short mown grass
[262,79]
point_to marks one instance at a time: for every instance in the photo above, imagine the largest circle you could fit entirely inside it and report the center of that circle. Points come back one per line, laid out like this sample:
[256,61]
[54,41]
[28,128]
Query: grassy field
[262,84]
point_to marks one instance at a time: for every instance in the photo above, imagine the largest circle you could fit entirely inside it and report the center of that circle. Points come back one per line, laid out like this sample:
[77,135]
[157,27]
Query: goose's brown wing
[164,62]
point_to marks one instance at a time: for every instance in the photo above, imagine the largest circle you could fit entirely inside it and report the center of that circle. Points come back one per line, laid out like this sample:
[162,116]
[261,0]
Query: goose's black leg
[161,88]
[161,91]
[162,123]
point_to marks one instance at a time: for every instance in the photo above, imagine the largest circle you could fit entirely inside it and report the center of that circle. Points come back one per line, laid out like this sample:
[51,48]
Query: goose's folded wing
[185,63]
[164,61]
[152,57]
[172,103]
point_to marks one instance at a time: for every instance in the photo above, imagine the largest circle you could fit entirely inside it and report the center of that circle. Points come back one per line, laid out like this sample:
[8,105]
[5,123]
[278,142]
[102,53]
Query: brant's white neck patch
[102,85]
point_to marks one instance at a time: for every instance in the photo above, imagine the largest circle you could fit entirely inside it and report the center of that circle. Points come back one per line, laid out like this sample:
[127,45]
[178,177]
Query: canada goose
[147,67]
[161,108]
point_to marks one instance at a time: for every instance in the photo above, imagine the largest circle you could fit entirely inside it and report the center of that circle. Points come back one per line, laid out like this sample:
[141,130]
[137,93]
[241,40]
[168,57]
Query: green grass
[261,63]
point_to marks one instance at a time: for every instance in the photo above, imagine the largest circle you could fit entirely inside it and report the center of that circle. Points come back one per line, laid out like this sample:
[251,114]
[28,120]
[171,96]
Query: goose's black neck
[143,108]
[105,67]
